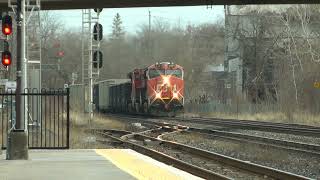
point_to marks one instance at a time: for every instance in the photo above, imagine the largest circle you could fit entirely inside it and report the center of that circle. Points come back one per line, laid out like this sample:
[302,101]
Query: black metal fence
[47,114]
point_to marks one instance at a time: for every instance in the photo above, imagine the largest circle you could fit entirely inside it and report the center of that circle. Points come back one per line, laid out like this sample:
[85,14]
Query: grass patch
[80,138]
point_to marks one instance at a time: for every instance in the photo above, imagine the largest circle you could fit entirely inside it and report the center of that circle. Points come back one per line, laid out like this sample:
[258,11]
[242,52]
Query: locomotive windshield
[177,72]
[156,72]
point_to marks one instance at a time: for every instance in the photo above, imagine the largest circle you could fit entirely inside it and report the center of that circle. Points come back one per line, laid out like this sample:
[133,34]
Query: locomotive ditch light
[175,95]
[158,95]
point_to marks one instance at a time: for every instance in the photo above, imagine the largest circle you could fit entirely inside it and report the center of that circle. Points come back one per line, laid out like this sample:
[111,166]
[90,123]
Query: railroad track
[299,146]
[287,145]
[255,125]
[183,157]
[295,129]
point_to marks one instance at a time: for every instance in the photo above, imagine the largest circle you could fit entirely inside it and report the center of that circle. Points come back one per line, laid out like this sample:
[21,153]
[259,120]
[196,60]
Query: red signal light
[60,54]
[6,58]
[6,25]
[6,31]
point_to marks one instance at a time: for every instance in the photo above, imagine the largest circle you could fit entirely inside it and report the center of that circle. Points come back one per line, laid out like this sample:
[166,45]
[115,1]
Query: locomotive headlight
[165,80]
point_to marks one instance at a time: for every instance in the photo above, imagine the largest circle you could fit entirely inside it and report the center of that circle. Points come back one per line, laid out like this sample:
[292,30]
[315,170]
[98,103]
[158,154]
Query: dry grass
[298,117]
[80,138]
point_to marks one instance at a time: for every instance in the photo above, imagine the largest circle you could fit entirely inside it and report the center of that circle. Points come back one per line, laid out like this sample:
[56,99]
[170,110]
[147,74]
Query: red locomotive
[157,89]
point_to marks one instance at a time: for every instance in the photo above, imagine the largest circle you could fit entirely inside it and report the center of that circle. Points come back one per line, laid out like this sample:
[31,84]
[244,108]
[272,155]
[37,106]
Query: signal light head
[97,32]
[6,58]
[7,25]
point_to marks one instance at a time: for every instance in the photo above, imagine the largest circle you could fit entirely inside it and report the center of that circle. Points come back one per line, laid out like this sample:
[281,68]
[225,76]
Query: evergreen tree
[117,30]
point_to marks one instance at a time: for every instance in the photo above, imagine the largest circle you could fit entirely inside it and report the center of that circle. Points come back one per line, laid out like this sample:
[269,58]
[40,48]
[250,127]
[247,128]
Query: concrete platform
[99,164]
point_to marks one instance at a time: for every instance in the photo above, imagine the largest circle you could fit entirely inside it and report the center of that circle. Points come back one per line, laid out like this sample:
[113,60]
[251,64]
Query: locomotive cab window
[177,73]
[155,73]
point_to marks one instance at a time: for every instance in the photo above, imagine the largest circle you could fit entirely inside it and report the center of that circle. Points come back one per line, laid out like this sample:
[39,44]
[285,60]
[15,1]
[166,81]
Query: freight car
[101,95]
[157,90]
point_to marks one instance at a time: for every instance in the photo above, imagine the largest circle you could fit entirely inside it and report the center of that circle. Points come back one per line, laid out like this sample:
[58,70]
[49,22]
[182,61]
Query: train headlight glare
[175,95]
[158,95]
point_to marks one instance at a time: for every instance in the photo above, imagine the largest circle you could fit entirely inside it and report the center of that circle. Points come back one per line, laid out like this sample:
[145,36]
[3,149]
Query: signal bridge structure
[85,4]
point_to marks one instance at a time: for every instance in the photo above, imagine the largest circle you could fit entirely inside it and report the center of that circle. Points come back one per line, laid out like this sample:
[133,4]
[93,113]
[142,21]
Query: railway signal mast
[7,31]
[18,135]
[92,34]
[24,11]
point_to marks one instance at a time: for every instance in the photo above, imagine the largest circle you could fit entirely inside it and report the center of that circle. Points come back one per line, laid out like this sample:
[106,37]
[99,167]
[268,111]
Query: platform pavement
[101,164]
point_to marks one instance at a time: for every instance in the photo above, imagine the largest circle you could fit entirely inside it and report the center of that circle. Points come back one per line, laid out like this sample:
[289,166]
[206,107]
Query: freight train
[156,90]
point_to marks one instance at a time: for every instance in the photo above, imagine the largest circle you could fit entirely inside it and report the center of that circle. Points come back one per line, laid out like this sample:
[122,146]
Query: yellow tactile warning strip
[142,167]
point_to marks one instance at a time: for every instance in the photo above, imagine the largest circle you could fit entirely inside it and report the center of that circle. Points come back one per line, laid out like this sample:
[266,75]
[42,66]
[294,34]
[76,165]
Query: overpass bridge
[83,4]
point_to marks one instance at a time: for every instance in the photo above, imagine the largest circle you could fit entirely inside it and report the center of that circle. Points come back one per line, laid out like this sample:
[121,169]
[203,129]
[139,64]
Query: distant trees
[51,29]
[280,53]
[117,29]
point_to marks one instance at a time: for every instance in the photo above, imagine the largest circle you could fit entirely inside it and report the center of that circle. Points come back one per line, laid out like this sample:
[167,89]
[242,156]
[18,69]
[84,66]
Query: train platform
[91,164]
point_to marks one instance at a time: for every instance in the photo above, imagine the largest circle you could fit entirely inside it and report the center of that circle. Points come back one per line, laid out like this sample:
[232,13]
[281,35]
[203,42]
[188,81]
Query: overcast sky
[133,17]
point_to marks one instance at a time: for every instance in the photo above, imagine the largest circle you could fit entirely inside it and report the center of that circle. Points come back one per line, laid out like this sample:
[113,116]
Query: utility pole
[18,136]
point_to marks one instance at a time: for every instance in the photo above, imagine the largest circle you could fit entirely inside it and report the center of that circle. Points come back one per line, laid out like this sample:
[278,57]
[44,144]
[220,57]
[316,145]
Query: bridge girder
[83,4]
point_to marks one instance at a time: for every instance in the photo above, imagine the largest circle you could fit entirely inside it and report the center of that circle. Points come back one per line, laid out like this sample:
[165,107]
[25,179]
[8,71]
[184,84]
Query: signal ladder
[89,74]
[89,46]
